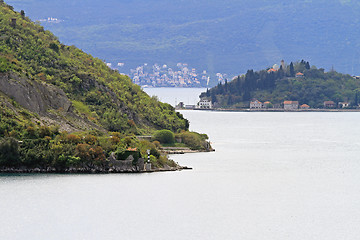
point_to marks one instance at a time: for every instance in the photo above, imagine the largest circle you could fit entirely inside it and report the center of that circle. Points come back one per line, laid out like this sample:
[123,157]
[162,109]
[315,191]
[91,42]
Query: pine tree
[356,100]
[307,65]
[292,70]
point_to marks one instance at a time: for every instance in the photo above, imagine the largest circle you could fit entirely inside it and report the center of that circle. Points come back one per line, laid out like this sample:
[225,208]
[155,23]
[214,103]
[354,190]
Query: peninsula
[63,110]
[288,87]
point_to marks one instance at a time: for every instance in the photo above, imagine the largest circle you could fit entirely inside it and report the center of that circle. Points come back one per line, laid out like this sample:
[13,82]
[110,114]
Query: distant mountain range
[228,36]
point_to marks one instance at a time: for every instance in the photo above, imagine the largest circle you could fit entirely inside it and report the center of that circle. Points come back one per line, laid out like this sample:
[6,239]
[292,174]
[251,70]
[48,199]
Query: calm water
[189,96]
[273,176]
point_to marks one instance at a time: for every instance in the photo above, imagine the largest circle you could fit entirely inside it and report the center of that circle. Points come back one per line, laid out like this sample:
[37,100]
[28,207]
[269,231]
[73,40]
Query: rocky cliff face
[49,102]
[34,96]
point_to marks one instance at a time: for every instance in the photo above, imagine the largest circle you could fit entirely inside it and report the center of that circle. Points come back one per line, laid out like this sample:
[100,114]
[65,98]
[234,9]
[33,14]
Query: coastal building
[304,106]
[189,106]
[267,104]
[329,104]
[344,104]
[271,70]
[299,75]
[204,104]
[256,104]
[180,105]
[291,105]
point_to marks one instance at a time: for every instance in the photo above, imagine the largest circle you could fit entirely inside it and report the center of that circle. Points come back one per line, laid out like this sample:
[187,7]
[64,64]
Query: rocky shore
[92,170]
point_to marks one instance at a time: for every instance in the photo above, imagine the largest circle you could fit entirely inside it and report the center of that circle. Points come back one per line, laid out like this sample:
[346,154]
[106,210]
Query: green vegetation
[164,136]
[108,98]
[49,149]
[194,140]
[313,87]
[116,109]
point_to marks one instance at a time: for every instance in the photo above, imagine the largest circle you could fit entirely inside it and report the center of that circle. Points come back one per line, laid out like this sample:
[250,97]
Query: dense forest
[61,107]
[294,82]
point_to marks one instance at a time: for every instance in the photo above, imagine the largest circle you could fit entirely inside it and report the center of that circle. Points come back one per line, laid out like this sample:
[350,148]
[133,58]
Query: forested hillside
[104,96]
[227,36]
[61,108]
[294,82]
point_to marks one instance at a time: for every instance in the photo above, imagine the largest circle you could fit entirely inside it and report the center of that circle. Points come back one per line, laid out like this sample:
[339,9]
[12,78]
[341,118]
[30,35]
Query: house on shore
[267,104]
[256,104]
[189,106]
[204,104]
[291,105]
[329,104]
[304,106]
[343,104]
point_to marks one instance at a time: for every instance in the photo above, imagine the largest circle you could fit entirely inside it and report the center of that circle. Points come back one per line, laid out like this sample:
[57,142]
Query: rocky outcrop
[126,165]
[39,98]
[34,96]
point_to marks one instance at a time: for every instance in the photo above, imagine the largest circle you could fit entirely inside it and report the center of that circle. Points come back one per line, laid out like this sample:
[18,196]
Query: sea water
[272,176]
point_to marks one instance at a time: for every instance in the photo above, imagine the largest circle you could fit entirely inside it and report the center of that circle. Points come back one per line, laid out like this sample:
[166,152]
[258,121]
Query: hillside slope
[62,85]
[294,82]
[228,36]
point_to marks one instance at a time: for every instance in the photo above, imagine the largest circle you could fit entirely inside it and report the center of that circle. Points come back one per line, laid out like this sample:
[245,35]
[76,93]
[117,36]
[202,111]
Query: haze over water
[273,176]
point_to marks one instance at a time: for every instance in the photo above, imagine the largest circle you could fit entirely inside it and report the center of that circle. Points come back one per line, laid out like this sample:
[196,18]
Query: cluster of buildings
[202,104]
[294,105]
[51,20]
[164,76]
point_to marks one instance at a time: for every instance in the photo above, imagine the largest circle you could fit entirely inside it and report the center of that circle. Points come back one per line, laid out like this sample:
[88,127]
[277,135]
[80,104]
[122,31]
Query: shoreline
[87,171]
[271,110]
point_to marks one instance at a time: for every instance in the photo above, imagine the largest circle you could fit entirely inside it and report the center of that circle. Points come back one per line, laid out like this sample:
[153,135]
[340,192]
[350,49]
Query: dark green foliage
[124,154]
[54,47]
[313,88]
[4,65]
[194,140]
[9,152]
[292,71]
[164,136]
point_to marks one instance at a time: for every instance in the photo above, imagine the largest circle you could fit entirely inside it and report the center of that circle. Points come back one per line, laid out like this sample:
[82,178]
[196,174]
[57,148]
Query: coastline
[272,110]
[88,170]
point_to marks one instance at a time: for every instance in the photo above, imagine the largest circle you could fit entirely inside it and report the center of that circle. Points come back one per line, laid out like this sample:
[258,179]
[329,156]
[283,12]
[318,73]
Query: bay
[273,176]
[189,96]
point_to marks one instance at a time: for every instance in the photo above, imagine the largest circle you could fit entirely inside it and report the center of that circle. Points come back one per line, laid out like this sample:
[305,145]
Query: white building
[204,104]
[291,105]
[256,104]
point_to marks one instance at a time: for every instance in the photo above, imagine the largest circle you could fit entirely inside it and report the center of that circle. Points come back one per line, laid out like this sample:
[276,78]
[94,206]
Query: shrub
[9,152]
[164,136]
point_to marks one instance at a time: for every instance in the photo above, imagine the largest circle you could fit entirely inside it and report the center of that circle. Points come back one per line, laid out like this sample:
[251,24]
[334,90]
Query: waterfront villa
[304,106]
[204,104]
[256,104]
[291,105]
[329,104]
[267,104]
[344,104]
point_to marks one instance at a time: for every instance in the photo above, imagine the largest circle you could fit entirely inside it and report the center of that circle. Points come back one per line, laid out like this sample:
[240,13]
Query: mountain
[227,36]
[63,109]
[294,82]
[65,84]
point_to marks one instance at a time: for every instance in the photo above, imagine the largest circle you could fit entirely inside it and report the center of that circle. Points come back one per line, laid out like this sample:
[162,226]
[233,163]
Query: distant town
[206,104]
[51,20]
[182,75]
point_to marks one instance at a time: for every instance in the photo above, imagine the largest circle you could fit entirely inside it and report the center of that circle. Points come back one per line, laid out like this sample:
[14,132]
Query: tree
[356,99]
[164,136]
[292,70]
[9,152]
